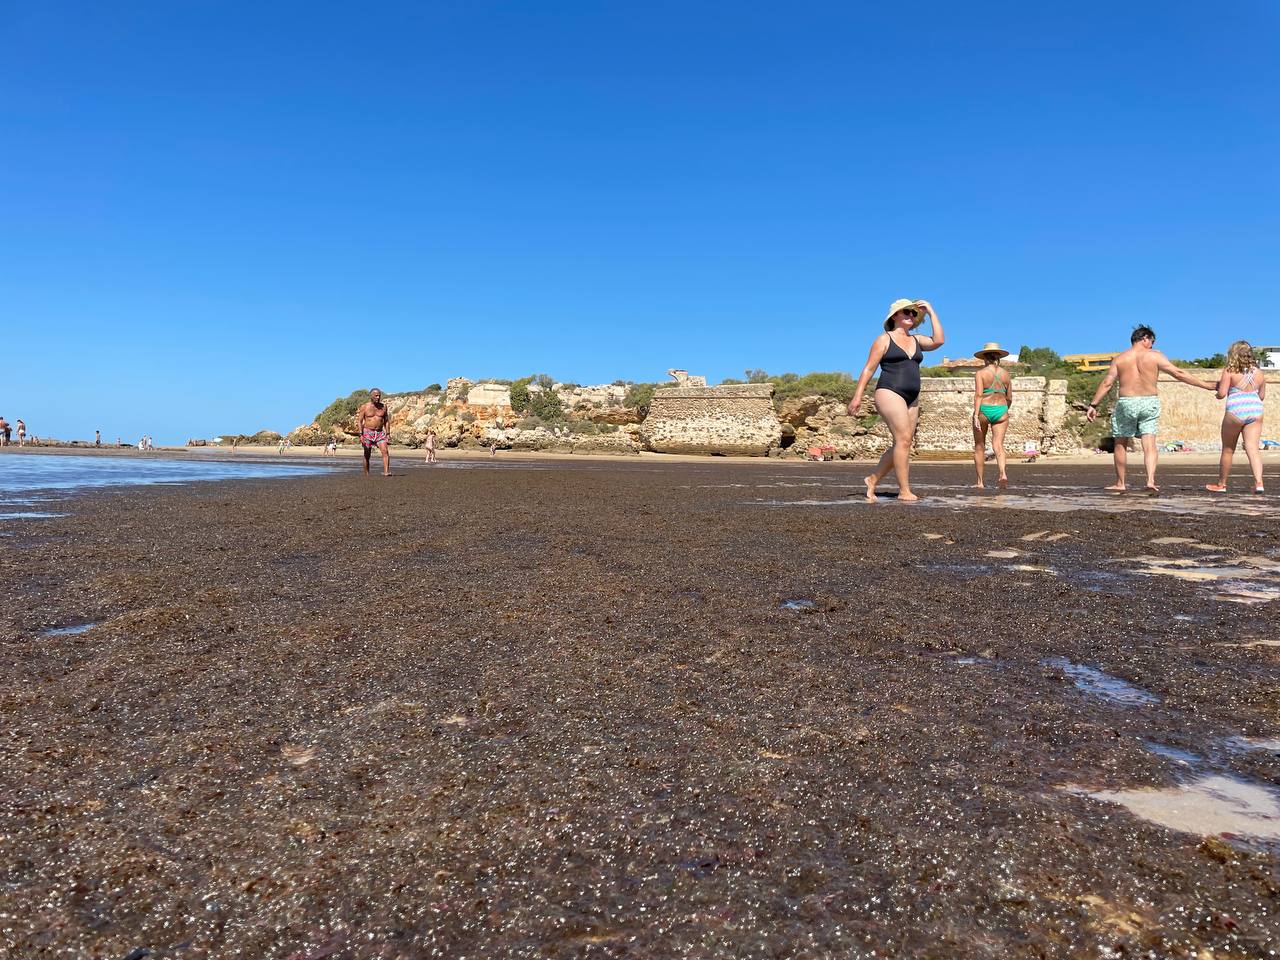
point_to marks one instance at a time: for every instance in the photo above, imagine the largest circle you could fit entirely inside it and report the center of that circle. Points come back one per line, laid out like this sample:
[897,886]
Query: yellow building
[1091,361]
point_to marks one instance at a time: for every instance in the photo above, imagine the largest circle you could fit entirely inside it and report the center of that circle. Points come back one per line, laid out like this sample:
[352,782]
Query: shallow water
[22,474]
[1184,757]
[1246,744]
[1209,805]
[68,631]
[1099,684]
[28,514]
[1037,500]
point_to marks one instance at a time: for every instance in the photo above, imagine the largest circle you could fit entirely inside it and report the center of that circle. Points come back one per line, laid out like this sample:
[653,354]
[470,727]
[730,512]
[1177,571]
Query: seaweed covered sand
[634,710]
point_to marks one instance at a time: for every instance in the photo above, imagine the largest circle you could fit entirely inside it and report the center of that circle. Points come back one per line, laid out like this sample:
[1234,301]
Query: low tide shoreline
[410,456]
[632,708]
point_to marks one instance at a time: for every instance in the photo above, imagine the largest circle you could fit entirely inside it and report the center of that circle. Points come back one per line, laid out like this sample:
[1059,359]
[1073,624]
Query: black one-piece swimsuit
[901,373]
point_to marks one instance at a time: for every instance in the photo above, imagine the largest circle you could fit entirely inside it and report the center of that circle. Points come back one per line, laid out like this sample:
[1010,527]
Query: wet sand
[639,709]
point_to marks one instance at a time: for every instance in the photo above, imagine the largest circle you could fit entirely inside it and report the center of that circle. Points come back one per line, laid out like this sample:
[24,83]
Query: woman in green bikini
[992,399]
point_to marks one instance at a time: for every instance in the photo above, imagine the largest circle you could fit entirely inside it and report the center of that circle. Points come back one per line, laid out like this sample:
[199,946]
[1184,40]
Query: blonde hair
[1241,357]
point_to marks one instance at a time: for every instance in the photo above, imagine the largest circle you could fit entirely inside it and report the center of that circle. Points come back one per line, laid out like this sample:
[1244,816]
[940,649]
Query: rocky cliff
[689,417]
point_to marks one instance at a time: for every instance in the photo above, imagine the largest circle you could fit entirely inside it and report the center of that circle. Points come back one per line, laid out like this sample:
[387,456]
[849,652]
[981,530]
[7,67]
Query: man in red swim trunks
[371,421]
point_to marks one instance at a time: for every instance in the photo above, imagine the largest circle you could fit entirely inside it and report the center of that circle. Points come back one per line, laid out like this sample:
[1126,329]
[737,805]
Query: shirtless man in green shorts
[1137,411]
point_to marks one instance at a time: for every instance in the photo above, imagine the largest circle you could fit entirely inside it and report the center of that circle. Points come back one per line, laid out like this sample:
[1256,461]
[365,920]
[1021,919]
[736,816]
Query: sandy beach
[633,707]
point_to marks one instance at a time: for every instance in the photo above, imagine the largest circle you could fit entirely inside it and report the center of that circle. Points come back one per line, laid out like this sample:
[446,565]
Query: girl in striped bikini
[1245,387]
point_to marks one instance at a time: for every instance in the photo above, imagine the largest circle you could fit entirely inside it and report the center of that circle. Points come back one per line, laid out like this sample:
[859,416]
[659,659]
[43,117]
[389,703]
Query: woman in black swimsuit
[898,352]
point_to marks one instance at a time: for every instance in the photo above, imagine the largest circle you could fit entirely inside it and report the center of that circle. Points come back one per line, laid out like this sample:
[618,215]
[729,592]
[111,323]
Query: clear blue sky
[217,216]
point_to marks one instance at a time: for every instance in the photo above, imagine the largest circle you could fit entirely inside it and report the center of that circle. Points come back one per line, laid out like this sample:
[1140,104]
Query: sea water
[29,483]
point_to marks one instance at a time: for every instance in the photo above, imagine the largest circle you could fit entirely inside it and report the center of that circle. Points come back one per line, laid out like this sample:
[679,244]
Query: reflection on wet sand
[1046,501]
[1207,805]
[68,631]
[1247,579]
[1093,681]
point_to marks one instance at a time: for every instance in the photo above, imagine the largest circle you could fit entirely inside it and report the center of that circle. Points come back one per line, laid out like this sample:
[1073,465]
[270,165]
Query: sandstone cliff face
[477,415]
[824,422]
[738,419]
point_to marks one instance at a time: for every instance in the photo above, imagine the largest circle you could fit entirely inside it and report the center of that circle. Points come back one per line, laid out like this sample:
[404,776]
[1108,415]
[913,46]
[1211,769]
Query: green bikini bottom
[994,412]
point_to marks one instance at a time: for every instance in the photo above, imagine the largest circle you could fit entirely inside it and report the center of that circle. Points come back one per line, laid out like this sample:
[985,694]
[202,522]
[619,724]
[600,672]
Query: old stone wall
[734,419]
[946,413]
[1188,413]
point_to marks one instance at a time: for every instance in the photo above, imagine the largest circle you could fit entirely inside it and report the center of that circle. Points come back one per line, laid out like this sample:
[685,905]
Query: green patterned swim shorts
[1135,417]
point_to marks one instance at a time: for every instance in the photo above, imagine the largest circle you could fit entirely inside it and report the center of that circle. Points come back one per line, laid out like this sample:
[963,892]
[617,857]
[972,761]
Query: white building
[1271,357]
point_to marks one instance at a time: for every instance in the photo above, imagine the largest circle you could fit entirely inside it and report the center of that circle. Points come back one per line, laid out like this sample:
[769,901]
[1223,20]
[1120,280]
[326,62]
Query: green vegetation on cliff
[837,384]
[342,409]
[543,404]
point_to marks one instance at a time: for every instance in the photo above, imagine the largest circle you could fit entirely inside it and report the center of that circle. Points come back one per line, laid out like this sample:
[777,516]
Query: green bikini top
[997,386]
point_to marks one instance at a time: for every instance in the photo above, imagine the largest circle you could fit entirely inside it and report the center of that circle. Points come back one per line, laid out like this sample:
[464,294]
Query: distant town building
[1091,361]
[1270,356]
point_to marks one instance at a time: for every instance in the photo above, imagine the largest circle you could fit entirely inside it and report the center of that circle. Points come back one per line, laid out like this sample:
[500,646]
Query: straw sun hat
[990,348]
[902,305]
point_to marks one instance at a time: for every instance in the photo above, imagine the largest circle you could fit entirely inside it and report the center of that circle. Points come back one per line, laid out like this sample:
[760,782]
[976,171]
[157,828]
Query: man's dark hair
[1141,333]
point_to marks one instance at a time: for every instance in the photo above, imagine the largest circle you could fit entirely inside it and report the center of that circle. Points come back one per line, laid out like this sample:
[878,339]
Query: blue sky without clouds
[217,216]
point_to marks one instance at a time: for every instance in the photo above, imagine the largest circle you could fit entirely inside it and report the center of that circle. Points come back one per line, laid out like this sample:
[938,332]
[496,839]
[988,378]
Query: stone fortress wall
[1187,413]
[740,419]
[946,414]
[735,419]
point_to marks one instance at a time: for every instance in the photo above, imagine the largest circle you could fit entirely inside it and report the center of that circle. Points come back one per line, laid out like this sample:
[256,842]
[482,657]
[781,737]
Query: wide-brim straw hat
[902,305]
[989,349]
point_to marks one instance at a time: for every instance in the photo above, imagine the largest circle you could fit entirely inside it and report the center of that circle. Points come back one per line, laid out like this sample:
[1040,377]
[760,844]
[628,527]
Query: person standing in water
[371,421]
[898,352]
[992,403]
[1244,387]
[431,446]
[22,434]
[1137,410]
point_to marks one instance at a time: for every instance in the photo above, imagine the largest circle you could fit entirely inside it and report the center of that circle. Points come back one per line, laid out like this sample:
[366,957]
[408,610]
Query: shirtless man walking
[1137,410]
[371,421]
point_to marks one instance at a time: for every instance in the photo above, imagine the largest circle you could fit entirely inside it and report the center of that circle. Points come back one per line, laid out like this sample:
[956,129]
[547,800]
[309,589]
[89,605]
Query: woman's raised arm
[936,336]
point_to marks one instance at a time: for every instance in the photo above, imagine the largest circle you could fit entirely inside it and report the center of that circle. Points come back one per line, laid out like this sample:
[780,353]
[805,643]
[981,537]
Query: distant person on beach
[5,432]
[992,403]
[431,446]
[1244,387]
[331,448]
[97,438]
[898,353]
[22,434]
[371,421]
[1137,410]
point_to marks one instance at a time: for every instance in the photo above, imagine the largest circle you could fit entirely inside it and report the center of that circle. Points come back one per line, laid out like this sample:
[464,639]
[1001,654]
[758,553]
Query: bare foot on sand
[906,496]
[1151,488]
[871,487]
[979,486]
[1216,487]
[1003,483]
[1115,488]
